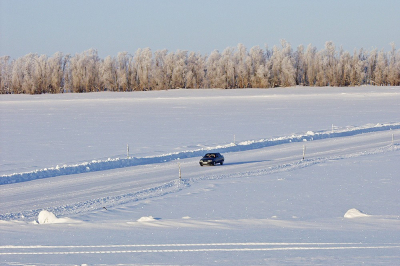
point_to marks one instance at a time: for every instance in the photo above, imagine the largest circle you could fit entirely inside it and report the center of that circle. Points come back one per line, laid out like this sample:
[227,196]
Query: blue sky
[49,26]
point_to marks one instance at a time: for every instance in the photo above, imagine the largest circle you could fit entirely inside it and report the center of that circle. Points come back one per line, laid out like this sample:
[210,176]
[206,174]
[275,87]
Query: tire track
[182,248]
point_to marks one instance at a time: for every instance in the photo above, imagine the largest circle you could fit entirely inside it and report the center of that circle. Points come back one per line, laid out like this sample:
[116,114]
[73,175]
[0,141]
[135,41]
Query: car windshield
[210,155]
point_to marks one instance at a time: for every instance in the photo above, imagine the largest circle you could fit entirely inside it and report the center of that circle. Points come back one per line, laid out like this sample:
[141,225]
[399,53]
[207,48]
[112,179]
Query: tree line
[232,68]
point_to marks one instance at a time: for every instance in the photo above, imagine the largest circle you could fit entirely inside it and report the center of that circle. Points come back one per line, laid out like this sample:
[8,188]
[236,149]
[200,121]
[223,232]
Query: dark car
[212,159]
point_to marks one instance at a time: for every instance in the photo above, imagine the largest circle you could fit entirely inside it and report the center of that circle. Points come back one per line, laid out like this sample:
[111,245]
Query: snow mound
[146,219]
[46,217]
[354,213]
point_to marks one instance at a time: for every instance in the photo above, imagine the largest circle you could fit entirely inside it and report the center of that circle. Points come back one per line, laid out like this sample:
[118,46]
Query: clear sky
[73,26]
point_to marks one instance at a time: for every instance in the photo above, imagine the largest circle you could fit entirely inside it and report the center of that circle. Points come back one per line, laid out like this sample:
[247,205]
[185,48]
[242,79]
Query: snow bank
[46,217]
[354,213]
[100,165]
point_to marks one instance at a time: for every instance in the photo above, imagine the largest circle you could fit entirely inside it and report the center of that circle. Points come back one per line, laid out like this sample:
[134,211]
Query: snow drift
[146,219]
[354,213]
[46,217]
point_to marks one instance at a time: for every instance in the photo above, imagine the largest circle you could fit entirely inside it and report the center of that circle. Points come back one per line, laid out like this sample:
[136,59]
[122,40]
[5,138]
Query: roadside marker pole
[180,174]
[304,151]
[127,151]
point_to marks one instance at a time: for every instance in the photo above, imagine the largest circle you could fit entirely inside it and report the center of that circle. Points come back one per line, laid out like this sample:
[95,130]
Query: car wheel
[222,162]
[213,163]
[201,164]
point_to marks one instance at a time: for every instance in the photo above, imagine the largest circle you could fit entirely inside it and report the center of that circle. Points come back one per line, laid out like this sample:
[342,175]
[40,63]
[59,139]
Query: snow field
[46,131]
[265,205]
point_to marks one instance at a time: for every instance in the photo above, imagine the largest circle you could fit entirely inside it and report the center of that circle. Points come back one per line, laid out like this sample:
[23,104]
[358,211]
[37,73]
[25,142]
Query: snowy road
[72,194]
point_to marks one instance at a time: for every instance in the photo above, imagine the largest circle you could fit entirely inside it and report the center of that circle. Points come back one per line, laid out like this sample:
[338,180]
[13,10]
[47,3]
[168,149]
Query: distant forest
[233,68]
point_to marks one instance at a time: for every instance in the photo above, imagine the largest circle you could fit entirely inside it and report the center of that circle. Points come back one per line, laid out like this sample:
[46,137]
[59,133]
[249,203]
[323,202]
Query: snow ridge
[114,163]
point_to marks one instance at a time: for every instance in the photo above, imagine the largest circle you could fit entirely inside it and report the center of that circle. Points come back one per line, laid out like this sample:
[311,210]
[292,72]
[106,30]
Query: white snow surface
[71,195]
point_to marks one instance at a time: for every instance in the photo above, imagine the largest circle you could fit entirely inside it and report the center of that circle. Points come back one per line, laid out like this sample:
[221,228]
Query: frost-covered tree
[143,60]
[393,77]
[227,68]
[29,75]
[108,74]
[85,71]
[5,75]
[310,65]
[170,65]
[371,66]
[262,75]
[242,67]
[344,69]
[329,63]
[357,69]
[178,79]
[67,83]
[256,62]
[17,75]
[381,69]
[300,65]
[320,68]
[233,68]
[160,70]
[276,67]
[213,70]
[283,71]
[122,65]
[55,73]
[195,71]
